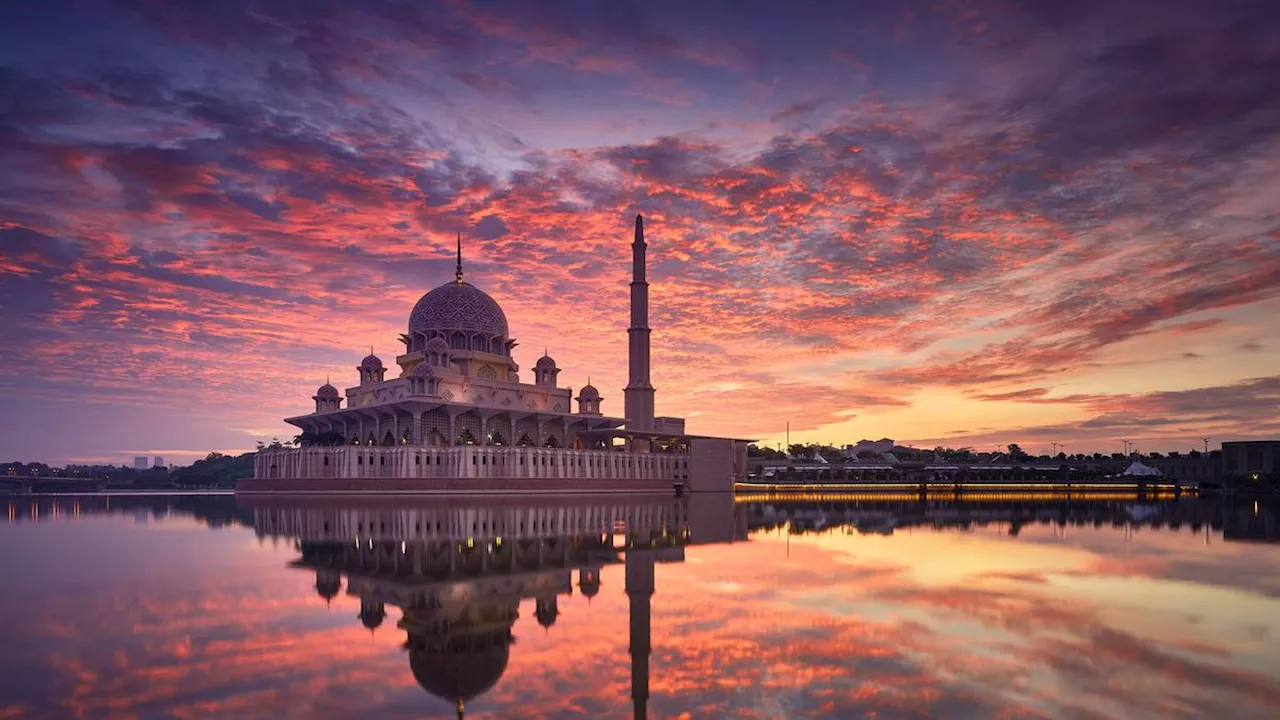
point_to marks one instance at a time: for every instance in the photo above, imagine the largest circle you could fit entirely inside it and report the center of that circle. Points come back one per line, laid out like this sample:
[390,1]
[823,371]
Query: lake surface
[702,607]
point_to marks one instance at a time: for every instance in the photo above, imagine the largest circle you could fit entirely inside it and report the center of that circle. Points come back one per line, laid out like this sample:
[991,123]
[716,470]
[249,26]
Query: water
[193,607]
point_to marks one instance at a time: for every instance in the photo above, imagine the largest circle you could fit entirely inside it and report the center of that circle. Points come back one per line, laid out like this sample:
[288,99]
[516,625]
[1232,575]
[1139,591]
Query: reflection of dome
[328,583]
[371,613]
[546,611]
[371,362]
[589,582]
[423,370]
[327,391]
[589,392]
[458,306]
[467,666]
[545,363]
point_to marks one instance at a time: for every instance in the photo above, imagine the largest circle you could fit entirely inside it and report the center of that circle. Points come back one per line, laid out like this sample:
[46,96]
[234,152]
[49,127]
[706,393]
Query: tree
[311,438]
[1016,452]
[216,469]
[764,451]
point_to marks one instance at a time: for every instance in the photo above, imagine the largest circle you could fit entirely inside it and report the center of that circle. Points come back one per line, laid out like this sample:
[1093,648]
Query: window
[326,460]
[417,459]
[381,461]
[359,459]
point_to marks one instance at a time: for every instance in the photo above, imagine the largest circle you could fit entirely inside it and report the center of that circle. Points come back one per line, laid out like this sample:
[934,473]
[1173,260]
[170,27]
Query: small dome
[423,370]
[371,362]
[546,362]
[437,345]
[327,392]
[589,392]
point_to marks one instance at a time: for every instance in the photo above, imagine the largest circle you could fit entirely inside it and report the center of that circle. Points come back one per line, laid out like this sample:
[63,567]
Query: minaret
[638,395]
[639,581]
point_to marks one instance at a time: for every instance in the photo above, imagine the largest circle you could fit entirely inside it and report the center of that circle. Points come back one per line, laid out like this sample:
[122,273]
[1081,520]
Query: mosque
[456,408]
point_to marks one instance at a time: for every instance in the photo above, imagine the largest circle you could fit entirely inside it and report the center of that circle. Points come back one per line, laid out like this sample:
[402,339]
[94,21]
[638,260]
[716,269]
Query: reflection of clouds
[845,626]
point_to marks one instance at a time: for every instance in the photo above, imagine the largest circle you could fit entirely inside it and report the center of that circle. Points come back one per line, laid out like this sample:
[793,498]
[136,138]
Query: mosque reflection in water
[458,573]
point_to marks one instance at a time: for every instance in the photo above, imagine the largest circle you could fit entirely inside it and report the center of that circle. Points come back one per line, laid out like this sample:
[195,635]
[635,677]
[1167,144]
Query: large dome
[458,306]
[464,671]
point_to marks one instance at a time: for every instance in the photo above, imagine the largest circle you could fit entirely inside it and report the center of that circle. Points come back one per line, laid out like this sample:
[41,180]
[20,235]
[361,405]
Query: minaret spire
[638,395]
[458,274]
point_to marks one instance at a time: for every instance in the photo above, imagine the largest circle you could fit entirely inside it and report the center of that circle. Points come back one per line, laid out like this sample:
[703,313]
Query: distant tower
[158,461]
[545,371]
[639,592]
[638,395]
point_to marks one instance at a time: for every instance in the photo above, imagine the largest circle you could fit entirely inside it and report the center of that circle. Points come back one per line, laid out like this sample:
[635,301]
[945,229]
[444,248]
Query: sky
[948,223]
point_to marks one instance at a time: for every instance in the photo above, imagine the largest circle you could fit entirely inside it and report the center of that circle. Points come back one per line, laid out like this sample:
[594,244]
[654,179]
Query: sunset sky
[960,223]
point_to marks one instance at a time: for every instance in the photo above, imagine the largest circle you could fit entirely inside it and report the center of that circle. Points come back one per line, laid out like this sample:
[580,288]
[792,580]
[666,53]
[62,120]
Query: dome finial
[458,273]
[462,709]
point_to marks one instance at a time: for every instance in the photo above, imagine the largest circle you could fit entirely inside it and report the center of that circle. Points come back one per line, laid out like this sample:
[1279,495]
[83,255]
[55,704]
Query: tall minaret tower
[638,395]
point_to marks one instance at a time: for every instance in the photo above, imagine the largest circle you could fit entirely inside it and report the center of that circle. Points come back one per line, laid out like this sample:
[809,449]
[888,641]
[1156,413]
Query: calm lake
[697,607]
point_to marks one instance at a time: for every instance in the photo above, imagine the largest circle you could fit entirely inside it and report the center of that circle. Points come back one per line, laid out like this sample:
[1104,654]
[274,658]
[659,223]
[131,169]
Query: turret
[327,398]
[371,369]
[545,371]
[588,400]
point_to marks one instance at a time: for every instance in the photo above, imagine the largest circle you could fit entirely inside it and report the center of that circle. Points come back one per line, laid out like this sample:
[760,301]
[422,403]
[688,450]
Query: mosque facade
[453,405]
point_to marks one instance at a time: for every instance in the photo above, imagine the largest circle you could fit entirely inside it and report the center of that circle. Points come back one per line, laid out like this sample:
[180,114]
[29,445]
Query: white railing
[357,462]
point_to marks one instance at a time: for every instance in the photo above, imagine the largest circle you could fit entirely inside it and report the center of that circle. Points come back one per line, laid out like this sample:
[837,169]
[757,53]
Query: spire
[639,229]
[458,273]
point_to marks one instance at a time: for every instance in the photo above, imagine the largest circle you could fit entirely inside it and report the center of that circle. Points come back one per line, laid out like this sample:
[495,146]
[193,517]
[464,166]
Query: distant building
[1192,468]
[158,462]
[1255,460]
[139,462]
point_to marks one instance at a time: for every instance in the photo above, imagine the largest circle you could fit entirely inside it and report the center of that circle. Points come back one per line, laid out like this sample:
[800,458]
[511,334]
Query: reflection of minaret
[639,591]
[638,395]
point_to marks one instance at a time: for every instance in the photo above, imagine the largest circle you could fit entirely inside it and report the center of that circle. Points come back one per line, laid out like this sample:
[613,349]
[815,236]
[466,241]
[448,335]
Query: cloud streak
[209,204]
